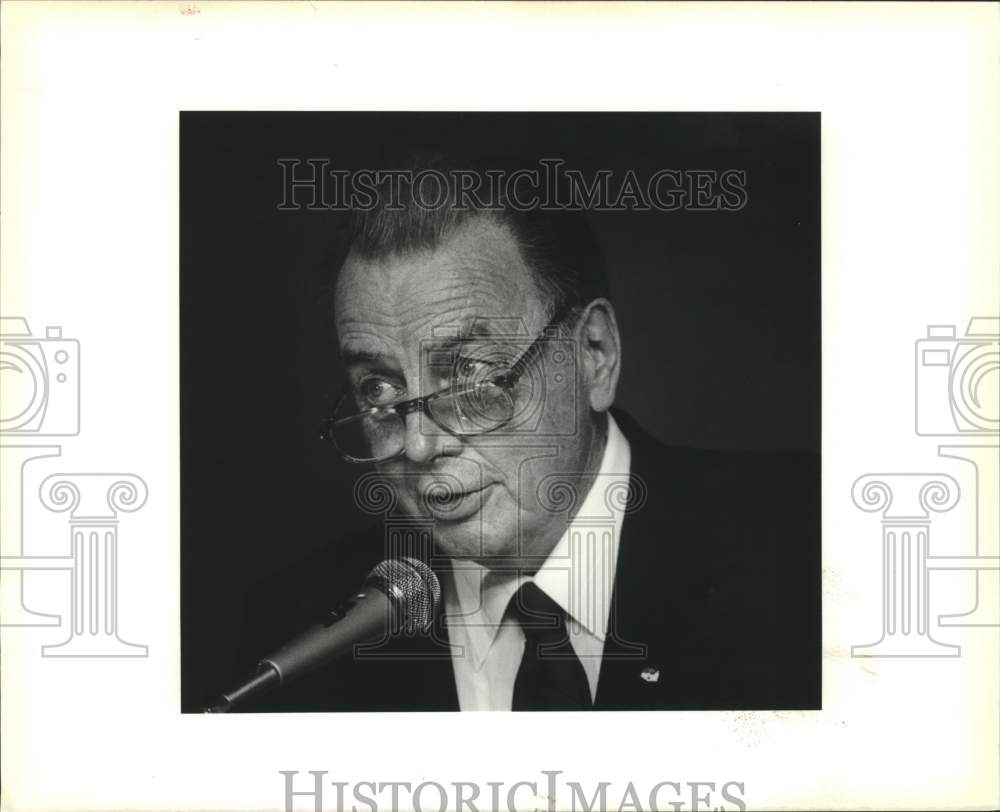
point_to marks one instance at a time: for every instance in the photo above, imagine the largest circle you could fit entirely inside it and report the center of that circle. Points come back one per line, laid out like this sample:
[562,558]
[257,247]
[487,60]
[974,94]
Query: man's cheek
[526,484]
[412,503]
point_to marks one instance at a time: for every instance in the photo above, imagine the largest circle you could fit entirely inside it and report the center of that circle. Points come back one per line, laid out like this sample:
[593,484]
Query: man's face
[470,301]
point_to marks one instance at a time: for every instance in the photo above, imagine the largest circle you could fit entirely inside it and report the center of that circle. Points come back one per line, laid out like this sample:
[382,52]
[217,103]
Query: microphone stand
[264,680]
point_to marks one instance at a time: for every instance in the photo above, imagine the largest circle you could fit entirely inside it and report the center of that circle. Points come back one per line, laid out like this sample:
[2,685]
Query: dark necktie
[551,676]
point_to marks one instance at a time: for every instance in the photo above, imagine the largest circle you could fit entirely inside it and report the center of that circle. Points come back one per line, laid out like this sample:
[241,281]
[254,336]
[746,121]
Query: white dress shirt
[578,575]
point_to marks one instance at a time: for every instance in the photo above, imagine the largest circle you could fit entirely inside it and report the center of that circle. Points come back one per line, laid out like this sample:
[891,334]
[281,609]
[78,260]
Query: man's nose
[424,439]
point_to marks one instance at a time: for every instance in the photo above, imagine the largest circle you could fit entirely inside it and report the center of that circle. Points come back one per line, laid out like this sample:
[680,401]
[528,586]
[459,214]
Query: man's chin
[471,543]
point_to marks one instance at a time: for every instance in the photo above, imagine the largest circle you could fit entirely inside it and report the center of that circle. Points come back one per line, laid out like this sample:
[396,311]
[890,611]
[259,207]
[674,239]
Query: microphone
[398,594]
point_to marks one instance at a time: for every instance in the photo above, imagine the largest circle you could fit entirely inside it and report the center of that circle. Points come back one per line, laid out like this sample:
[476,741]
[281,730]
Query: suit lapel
[639,669]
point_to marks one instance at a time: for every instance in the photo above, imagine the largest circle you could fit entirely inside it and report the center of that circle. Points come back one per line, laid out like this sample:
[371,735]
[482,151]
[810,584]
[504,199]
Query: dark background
[719,311]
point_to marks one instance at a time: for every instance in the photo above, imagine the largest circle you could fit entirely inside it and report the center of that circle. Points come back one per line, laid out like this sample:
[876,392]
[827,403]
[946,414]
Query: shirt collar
[578,573]
[480,602]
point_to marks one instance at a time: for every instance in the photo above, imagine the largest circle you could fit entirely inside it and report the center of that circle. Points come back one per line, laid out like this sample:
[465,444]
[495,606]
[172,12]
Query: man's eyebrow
[471,330]
[355,357]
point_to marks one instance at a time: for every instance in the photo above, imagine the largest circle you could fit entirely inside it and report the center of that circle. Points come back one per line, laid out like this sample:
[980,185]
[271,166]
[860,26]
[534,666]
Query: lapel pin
[650,674]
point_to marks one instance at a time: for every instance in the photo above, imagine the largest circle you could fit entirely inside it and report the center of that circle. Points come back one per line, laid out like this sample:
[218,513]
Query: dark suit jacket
[717,589]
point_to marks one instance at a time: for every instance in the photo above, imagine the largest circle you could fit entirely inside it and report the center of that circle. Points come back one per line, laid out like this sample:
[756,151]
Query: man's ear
[600,345]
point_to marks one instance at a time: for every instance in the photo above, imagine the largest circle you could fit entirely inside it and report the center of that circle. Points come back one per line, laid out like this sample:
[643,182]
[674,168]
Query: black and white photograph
[500,411]
[499,407]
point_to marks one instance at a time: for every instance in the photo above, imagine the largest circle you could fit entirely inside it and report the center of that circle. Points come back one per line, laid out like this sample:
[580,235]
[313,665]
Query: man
[583,565]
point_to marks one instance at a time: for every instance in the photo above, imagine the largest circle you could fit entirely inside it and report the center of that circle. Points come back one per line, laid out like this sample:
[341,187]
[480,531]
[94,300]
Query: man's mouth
[451,504]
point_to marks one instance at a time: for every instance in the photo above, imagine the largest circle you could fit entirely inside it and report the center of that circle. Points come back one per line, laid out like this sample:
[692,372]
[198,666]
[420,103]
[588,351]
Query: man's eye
[378,392]
[474,370]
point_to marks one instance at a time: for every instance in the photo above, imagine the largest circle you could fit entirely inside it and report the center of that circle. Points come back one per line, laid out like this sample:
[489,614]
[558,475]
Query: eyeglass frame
[419,404]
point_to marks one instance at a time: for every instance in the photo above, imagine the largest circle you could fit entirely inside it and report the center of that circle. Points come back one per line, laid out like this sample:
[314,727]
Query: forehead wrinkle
[367,330]
[396,301]
[484,273]
[454,309]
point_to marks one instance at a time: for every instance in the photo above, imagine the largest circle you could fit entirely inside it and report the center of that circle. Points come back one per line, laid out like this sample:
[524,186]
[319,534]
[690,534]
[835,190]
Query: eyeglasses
[481,402]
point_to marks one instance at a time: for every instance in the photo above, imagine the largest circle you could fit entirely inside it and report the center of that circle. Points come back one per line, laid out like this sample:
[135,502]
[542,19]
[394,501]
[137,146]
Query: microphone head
[412,588]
